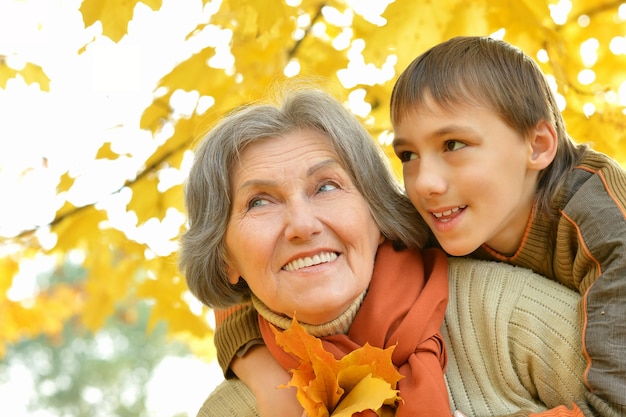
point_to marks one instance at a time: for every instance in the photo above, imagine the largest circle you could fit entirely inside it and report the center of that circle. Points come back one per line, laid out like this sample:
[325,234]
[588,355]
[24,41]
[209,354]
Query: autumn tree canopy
[581,46]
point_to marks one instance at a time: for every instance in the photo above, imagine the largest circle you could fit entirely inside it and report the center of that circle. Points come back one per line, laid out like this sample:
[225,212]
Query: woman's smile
[300,263]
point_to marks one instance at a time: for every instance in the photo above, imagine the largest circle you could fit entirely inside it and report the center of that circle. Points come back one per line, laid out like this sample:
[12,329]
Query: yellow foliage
[65,183]
[268,35]
[195,74]
[80,231]
[167,289]
[369,393]
[8,268]
[111,275]
[31,73]
[171,151]
[145,202]
[156,114]
[364,379]
[105,152]
[45,314]
[114,15]
[6,73]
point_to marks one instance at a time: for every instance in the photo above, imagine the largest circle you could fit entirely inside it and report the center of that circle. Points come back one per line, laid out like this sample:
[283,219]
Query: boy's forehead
[428,106]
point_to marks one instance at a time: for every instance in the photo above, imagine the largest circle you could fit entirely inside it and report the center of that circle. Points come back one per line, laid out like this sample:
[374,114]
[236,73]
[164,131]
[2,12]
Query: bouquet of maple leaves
[364,379]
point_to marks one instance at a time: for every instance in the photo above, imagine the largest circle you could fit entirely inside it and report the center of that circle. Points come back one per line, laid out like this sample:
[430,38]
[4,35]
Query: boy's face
[468,174]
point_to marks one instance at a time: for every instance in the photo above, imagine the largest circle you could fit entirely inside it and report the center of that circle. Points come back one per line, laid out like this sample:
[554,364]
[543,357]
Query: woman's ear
[232,274]
[543,142]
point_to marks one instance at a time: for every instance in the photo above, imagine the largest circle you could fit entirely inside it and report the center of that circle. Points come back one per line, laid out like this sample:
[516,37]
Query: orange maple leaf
[364,379]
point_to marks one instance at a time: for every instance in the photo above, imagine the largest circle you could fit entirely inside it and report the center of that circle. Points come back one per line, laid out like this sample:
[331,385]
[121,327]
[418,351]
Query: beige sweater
[513,344]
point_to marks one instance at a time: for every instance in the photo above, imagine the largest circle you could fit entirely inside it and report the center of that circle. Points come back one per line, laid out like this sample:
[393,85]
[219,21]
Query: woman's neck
[339,325]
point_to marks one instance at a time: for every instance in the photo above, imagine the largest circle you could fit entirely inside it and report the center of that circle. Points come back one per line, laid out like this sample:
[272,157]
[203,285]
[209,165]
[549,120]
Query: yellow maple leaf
[368,360]
[6,73]
[8,269]
[82,228]
[369,393]
[145,201]
[365,379]
[106,152]
[65,182]
[33,73]
[155,115]
[113,14]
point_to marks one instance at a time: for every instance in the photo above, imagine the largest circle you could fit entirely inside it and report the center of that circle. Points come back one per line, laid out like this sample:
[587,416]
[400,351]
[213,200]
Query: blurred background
[100,106]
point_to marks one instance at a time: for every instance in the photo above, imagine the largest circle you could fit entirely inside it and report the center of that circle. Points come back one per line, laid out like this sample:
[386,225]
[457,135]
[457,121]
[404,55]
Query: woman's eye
[327,187]
[454,145]
[257,202]
[406,156]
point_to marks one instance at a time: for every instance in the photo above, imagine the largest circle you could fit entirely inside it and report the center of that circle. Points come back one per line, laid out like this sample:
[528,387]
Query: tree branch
[292,52]
[128,183]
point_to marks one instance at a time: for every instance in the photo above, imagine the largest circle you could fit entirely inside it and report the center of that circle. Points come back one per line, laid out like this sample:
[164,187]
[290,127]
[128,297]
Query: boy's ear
[543,143]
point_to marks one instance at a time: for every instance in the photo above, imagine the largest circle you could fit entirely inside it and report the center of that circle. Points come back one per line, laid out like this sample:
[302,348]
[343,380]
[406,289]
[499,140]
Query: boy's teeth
[447,212]
[310,261]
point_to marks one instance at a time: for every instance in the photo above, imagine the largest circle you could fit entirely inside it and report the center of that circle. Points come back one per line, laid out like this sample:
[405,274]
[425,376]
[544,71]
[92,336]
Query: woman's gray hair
[203,255]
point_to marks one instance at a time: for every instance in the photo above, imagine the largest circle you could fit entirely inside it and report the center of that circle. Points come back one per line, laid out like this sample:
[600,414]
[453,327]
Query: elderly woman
[295,209]
[281,211]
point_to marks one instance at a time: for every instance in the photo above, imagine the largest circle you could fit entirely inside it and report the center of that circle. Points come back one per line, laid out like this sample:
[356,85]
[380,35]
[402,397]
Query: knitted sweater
[512,339]
[583,246]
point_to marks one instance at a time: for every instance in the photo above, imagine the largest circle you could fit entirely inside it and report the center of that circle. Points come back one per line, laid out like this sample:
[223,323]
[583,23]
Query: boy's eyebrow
[443,131]
[453,128]
[398,141]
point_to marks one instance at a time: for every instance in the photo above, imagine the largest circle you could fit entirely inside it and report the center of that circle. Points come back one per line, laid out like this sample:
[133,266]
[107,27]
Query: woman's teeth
[310,261]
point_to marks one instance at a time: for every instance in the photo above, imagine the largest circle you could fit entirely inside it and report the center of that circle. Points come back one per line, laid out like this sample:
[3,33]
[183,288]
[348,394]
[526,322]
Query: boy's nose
[429,181]
[302,222]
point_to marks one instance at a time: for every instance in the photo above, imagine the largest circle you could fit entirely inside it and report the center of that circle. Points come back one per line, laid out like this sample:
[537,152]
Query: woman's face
[300,234]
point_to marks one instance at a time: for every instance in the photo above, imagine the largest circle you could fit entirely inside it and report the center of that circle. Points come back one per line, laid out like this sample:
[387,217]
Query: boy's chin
[458,250]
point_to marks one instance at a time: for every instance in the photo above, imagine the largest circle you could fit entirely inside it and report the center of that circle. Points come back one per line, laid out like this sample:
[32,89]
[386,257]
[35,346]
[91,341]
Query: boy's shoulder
[594,161]
[592,178]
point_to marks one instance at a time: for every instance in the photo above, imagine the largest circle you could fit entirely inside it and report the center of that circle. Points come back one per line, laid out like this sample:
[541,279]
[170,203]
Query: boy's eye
[454,145]
[406,156]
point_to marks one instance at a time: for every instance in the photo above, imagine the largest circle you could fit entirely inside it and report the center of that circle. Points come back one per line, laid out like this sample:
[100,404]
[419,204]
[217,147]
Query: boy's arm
[242,353]
[268,382]
[595,219]
[236,331]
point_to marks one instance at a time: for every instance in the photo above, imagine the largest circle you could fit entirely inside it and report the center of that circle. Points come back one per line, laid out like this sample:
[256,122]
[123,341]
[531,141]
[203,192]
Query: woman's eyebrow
[256,183]
[253,183]
[321,165]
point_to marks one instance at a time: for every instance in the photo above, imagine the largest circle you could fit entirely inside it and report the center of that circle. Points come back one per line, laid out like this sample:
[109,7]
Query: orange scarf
[405,306]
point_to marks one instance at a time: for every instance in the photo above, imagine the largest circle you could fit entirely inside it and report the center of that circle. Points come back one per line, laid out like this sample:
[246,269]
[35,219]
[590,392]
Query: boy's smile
[468,174]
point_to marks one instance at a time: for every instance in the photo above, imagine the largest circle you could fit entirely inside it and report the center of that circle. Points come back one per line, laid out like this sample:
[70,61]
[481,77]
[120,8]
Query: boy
[489,165]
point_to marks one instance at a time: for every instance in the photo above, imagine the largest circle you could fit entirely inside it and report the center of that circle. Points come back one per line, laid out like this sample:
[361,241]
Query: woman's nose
[302,221]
